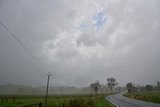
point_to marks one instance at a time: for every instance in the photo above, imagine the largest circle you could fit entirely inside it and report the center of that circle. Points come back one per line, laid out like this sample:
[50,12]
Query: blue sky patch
[99,19]
[82,26]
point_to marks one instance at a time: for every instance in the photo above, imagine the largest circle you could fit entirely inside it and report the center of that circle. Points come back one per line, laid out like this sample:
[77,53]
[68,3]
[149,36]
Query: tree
[95,86]
[149,87]
[111,83]
[129,87]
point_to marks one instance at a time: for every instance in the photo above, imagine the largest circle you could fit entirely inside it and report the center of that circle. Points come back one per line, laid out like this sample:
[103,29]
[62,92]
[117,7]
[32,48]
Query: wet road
[121,101]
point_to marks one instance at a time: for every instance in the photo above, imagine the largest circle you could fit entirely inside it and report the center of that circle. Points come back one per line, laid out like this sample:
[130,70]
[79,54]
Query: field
[56,101]
[151,96]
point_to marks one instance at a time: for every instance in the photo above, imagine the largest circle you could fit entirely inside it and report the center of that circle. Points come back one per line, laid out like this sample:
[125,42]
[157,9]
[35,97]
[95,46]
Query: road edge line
[112,102]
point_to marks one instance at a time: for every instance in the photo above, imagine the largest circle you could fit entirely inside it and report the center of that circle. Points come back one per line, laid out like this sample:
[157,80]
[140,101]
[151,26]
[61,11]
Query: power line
[35,58]
[13,49]
[10,46]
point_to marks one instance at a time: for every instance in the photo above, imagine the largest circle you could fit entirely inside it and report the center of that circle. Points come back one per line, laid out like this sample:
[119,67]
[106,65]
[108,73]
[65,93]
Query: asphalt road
[121,101]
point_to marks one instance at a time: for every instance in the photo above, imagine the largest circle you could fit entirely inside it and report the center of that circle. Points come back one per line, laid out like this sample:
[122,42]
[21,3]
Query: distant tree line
[132,88]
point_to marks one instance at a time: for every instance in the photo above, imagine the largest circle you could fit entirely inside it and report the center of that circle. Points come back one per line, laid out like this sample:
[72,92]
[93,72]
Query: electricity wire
[22,44]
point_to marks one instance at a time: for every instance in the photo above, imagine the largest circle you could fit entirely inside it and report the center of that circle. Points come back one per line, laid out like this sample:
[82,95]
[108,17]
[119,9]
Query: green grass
[151,96]
[103,103]
[57,101]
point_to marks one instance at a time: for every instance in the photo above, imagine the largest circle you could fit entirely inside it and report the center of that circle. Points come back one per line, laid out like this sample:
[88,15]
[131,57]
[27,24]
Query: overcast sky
[80,41]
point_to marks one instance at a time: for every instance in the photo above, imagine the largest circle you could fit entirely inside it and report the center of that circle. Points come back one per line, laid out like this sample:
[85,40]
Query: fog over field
[79,41]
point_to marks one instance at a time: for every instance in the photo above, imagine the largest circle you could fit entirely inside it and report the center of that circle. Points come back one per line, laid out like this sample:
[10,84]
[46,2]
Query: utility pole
[48,75]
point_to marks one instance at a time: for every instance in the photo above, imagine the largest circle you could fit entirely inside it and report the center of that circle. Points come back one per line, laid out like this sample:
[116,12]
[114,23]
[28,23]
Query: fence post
[63,105]
[70,103]
[40,104]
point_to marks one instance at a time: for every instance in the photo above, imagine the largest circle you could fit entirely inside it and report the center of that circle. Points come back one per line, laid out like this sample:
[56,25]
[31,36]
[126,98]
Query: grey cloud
[126,47]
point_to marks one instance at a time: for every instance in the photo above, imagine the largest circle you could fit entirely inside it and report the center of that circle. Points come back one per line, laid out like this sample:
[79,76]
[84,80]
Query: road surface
[121,101]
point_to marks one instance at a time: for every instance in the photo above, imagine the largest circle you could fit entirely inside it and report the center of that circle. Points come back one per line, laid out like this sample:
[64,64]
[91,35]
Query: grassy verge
[103,103]
[57,101]
[153,96]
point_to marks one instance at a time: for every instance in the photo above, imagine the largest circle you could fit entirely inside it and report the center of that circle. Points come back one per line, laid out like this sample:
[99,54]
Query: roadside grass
[103,103]
[57,101]
[151,96]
